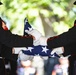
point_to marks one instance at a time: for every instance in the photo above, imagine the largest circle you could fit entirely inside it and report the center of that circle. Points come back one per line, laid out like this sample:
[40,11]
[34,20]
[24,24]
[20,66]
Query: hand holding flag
[39,50]
[29,30]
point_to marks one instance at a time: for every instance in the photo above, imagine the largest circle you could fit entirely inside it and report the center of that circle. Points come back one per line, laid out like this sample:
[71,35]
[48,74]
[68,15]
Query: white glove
[59,50]
[36,43]
[34,33]
[43,41]
[16,50]
[66,57]
[24,57]
[44,57]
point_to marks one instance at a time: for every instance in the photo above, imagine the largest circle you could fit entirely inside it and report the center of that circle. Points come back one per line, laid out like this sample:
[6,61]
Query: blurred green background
[50,17]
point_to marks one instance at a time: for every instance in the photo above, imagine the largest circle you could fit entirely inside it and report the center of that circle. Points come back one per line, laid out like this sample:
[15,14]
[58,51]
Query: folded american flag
[36,50]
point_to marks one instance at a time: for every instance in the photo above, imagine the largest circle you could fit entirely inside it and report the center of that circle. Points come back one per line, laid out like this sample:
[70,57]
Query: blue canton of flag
[27,26]
[36,50]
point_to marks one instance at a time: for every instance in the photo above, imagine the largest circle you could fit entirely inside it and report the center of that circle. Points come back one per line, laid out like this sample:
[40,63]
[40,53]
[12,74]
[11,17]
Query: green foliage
[59,12]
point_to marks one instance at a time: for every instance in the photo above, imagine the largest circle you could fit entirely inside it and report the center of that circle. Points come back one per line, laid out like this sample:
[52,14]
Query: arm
[11,40]
[63,39]
[6,52]
[70,49]
[66,40]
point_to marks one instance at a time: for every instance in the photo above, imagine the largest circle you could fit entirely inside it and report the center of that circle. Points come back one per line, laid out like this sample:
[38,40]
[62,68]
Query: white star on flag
[29,29]
[44,49]
[30,49]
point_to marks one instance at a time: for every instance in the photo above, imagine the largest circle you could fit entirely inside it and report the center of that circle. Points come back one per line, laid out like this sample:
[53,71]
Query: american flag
[36,50]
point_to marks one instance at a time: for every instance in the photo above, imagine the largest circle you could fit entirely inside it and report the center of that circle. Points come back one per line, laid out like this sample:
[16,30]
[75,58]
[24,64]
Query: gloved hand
[24,57]
[16,50]
[35,33]
[59,50]
[43,41]
[65,57]
[36,42]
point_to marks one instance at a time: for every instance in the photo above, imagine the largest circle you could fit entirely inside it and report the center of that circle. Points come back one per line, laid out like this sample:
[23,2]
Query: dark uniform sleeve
[63,39]
[11,40]
[70,49]
[6,52]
